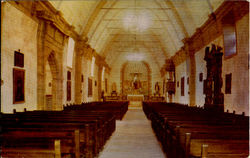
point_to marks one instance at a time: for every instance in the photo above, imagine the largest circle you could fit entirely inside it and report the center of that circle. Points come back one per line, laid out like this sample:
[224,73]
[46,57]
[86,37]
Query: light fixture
[135,57]
[136,21]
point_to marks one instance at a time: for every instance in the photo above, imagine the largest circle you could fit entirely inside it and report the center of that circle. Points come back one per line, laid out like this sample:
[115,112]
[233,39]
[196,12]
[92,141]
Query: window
[92,66]
[228,25]
[103,73]
[70,54]
[228,83]
[182,86]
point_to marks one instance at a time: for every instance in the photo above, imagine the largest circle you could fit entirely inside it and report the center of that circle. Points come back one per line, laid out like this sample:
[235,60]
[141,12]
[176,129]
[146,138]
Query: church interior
[124,79]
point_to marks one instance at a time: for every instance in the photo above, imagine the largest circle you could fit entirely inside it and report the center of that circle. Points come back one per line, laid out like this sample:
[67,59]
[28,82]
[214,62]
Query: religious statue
[114,87]
[113,93]
[157,88]
[136,83]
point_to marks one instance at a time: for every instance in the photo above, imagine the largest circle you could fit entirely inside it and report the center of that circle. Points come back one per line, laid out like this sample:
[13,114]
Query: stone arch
[50,50]
[53,65]
[55,80]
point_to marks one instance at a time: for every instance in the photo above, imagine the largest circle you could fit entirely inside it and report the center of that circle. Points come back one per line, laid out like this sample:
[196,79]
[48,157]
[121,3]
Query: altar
[135,97]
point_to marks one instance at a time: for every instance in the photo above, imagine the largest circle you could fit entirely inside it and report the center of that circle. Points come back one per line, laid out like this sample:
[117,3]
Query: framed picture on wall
[68,90]
[68,86]
[204,86]
[228,83]
[82,78]
[182,86]
[18,59]
[89,87]
[201,77]
[18,86]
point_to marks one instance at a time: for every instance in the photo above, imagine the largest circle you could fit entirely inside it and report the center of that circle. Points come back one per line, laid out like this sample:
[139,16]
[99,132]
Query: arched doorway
[52,88]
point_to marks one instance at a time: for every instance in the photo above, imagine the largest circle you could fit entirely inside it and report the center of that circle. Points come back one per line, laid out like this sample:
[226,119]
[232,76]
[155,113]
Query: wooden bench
[88,127]
[194,132]
[95,126]
[41,139]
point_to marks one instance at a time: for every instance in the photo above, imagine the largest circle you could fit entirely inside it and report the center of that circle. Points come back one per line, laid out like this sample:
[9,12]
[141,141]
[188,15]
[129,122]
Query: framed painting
[68,90]
[201,77]
[182,86]
[228,83]
[89,87]
[204,86]
[19,59]
[18,86]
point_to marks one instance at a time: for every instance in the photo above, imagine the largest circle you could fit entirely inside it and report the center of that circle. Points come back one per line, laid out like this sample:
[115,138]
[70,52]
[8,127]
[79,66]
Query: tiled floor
[133,138]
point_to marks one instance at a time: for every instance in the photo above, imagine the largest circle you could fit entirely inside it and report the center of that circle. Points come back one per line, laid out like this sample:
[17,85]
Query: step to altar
[135,105]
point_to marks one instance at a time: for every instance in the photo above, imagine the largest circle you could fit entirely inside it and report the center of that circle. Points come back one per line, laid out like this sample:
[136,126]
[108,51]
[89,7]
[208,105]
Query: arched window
[70,53]
[92,66]
[103,73]
[229,34]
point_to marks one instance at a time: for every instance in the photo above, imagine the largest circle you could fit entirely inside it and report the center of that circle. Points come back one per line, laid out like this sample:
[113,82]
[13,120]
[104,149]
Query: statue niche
[157,89]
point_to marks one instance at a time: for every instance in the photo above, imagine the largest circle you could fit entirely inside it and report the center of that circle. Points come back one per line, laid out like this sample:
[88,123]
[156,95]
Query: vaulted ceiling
[136,29]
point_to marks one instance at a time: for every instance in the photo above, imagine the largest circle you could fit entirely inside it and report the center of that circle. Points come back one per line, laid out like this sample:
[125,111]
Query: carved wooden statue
[214,97]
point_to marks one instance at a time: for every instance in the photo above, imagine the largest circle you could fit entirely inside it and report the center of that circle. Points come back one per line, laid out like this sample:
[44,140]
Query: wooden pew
[87,137]
[193,132]
[69,139]
[48,148]
[93,121]
[87,132]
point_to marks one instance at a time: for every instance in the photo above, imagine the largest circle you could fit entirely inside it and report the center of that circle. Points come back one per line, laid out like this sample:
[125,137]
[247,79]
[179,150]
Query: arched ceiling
[136,28]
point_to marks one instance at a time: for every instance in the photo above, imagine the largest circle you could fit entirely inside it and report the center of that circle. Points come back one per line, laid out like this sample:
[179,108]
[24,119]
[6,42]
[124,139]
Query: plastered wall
[238,65]
[14,26]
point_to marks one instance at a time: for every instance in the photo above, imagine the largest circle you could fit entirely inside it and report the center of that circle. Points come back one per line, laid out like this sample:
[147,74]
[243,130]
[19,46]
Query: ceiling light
[135,57]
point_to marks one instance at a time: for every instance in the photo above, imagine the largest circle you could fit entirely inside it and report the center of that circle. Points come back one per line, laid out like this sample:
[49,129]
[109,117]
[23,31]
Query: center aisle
[133,138]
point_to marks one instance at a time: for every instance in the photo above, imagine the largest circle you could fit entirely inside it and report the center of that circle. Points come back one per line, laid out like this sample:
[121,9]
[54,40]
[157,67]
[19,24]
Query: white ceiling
[150,28]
